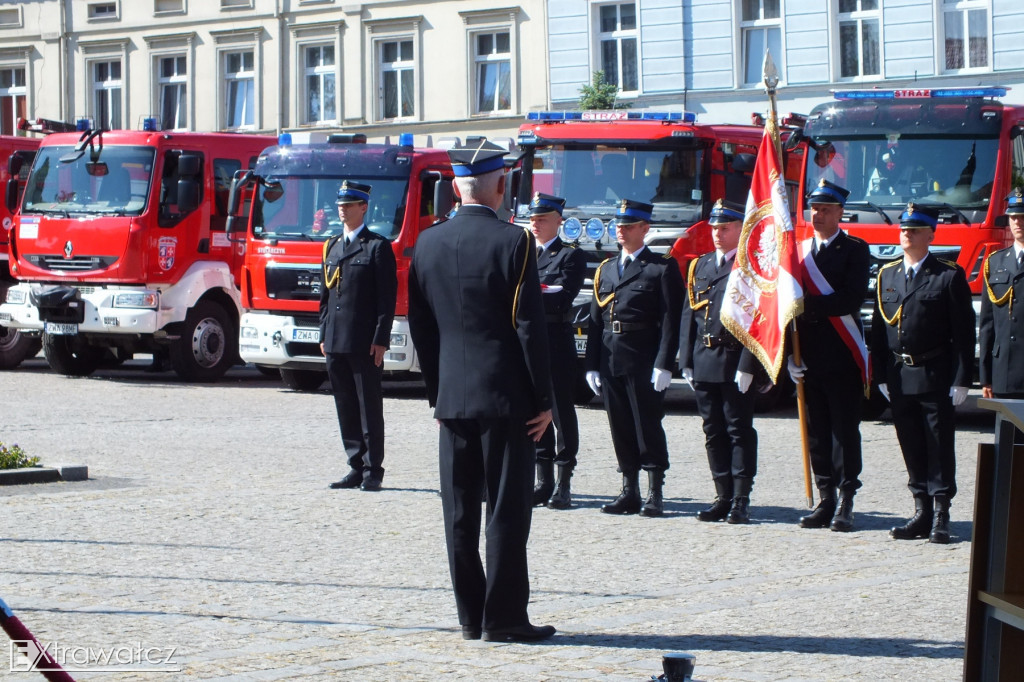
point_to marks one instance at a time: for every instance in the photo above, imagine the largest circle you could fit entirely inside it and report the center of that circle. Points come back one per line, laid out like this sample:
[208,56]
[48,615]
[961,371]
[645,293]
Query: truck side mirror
[1015,131]
[14,163]
[188,165]
[512,189]
[743,163]
[11,194]
[188,195]
[444,198]
[1002,221]
[793,141]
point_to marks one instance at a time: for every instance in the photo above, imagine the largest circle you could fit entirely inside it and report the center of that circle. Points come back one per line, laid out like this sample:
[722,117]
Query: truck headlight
[16,296]
[399,340]
[250,333]
[137,299]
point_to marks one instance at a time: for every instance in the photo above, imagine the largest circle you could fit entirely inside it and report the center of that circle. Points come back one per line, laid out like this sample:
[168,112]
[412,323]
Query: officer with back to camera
[1001,327]
[834,269]
[562,269]
[922,353]
[357,307]
[720,371]
[632,342]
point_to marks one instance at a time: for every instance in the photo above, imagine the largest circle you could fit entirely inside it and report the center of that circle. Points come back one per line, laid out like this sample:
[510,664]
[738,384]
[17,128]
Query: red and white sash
[844,325]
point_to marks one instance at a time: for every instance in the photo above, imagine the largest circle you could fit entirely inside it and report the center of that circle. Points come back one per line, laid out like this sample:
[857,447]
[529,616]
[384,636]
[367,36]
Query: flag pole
[771,82]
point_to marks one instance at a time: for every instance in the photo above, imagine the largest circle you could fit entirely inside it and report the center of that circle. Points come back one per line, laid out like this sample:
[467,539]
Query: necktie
[540,250]
[1020,260]
[348,240]
[910,276]
[624,263]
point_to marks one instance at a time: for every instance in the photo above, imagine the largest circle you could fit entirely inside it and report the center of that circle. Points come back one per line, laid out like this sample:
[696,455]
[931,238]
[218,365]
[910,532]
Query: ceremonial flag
[763,293]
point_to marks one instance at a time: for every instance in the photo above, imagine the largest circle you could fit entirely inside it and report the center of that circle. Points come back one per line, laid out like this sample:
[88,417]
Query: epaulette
[667,256]
[891,264]
[948,263]
[440,220]
[855,238]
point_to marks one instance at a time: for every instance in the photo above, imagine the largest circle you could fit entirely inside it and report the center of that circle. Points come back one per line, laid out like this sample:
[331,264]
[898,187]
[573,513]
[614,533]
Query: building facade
[380,68]
[706,55]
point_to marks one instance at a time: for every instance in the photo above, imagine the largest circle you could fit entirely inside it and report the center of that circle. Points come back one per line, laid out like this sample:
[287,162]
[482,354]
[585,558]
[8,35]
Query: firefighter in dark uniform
[632,341]
[922,353]
[720,371]
[1001,327]
[357,306]
[477,321]
[834,383]
[562,269]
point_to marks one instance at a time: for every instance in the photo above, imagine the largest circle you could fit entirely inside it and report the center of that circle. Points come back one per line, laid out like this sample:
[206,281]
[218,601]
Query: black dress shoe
[821,516]
[353,479]
[471,632]
[520,633]
[718,510]
[371,484]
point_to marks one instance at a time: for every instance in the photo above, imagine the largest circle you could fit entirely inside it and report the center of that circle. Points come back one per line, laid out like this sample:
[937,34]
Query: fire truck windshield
[305,208]
[594,179]
[889,171]
[106,180]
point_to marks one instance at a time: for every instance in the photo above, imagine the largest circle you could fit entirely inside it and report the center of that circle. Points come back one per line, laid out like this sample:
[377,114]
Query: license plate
[60,328]
[306,335]
[581,345]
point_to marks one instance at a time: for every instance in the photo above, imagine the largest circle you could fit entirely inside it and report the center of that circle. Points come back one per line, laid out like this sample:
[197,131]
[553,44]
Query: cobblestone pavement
[208,526]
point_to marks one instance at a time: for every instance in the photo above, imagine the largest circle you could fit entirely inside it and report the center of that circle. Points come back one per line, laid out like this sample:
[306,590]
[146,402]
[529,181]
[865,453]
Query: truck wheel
[208,345]
[16,347]
[70,355]
[303,379]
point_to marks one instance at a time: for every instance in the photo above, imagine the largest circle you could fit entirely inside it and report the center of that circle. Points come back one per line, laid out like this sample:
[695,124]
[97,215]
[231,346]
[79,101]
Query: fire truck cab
[120,247]
[959,149]
[294,213]
[16,154]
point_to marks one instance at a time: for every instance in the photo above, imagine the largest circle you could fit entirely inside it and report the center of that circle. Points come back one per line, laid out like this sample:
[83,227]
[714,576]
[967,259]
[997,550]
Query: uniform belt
[558,317]
[621,327]
[918,358]
[729,342]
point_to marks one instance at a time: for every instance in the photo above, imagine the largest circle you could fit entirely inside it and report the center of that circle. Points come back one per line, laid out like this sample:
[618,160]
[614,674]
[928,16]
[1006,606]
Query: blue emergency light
[612,115]
[405,140]
[572,229]
[284,139]
[83,124]
[920,93]
[595,229]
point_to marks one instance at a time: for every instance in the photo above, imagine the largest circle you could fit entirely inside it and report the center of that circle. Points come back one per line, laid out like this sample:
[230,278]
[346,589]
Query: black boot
[842,522]
[740,512]
[628,502]
[822,514]
[562,499]
[920,525]
[655,505]
[719,509]
[940,525]
[545,482]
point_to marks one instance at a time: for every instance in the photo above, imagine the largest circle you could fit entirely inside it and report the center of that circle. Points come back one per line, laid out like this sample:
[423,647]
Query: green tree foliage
[600,94]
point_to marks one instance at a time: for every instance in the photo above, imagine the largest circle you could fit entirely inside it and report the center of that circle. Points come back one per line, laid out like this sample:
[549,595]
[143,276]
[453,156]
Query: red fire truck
[15,153]
[597,158]
[120,247]
[293,213]
[958,149]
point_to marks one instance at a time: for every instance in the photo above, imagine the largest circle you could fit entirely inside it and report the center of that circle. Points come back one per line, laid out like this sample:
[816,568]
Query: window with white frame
[760,30]
[320,78]
[103,10]
[966,34]
[106,94]
[859,38]
[397,79]
[493,62]
[239,89]
[617,38]
[12,98]
[172,82]
[168,6]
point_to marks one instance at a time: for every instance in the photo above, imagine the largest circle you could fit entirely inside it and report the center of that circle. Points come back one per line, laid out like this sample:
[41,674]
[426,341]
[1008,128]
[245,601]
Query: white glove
[661,379]
[884,390]
[688,377]
[958,394]
[796,372]
[594,381]
[743,380]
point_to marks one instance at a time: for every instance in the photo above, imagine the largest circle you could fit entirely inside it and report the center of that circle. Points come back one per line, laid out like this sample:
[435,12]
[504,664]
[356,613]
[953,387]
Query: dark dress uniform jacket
[358,310]
[844,265]
[484,292]
[1001,328]
[705,345]
[647,307]
[564,266]
[937,314]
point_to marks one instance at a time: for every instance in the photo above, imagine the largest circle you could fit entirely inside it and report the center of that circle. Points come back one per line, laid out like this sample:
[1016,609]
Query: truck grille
[74,264]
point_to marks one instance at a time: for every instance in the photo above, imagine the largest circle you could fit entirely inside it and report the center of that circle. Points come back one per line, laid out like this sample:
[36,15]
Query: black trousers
[833,402]
[926,431]
[355,382]
[635,411]
[561,441]
[488,460]
[729,436]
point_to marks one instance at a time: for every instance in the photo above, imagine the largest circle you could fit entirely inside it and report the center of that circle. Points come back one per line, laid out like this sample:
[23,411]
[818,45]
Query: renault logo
[68,249]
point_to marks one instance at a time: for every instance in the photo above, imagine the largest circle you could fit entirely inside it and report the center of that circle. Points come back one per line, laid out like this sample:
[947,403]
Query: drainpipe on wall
[63,68]
[282,99]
